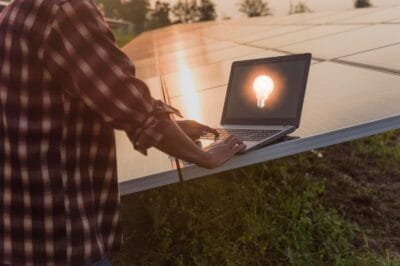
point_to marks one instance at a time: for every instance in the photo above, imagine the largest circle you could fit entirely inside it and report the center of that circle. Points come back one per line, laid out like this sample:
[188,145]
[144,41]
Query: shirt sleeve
[80,52]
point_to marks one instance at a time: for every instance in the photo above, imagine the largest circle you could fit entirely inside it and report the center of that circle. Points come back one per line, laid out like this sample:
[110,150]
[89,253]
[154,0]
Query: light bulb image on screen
[263,87]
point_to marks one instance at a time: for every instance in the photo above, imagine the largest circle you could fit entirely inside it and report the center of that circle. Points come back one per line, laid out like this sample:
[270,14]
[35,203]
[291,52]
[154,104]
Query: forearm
[176,143]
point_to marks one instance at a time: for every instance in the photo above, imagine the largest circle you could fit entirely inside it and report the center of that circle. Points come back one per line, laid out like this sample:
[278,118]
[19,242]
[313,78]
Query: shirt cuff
[149,135]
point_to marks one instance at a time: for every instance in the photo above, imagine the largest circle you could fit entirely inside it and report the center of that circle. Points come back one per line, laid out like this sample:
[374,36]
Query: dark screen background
[283,101]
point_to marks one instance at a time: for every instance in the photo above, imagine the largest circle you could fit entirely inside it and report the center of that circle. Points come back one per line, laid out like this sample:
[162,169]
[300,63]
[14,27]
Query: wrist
[203,159]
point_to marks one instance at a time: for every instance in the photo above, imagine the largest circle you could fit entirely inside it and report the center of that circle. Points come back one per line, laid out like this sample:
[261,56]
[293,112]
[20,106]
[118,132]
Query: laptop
[264,99]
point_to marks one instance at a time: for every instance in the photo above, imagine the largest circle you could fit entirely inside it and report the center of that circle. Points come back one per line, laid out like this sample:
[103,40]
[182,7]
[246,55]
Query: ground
[335,206]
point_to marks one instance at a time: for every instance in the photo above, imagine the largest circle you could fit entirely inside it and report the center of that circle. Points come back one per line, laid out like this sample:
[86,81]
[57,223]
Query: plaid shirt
[64,86]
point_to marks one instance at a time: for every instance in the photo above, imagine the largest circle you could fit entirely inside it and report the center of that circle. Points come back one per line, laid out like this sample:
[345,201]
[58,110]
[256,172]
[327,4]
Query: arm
[178,144]
[81,54]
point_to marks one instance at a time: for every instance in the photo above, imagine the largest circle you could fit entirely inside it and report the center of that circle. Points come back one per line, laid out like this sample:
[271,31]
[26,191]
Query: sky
[229,8]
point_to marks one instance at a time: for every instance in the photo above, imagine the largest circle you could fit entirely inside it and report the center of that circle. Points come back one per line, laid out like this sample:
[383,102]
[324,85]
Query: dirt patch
[363,184]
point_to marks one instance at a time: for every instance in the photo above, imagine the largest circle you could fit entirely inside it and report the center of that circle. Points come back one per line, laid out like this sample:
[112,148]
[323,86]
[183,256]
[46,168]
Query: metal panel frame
[266,154]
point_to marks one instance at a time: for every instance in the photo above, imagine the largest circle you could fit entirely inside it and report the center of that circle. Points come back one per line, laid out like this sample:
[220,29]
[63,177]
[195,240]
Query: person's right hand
[221,151]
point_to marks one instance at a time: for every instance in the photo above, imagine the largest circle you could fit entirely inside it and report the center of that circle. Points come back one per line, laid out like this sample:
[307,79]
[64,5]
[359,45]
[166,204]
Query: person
[64,87]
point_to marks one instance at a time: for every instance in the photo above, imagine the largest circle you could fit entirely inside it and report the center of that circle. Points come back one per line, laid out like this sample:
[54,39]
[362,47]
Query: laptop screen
[266,91]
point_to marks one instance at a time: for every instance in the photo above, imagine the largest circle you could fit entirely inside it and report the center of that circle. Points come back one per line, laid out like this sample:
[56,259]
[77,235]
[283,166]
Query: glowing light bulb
[263,87]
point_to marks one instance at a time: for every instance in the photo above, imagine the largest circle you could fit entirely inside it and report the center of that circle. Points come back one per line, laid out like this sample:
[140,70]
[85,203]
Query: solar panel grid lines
[265,33]
[301,18]
[294,19]
[339,16]
[306,34]
[380,16]
[349,42]
[197,51]
[207,58]
[367,66]
[385,59]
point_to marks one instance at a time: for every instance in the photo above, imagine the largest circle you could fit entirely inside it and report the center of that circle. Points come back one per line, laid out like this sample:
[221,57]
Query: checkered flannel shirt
[64,87]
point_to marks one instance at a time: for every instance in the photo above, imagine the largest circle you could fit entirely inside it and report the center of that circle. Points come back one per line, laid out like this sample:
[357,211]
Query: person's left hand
[194,129]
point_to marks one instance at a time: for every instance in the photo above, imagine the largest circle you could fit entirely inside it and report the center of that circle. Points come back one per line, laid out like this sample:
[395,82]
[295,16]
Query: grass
[335,206]
[123,38]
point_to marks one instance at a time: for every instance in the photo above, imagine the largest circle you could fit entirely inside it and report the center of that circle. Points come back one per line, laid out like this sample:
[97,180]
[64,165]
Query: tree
[207,10]
[136,12]
[254,8]
[110,9]
[160,15]
[300,7]
[362,3]
[186,11]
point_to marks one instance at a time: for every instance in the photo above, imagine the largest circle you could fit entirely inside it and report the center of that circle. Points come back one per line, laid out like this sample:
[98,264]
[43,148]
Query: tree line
[144,16]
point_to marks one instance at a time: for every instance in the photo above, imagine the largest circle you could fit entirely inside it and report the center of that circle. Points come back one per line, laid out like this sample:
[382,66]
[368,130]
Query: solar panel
[388,57]
[340,16]
[227,33]
[376,17]
[206,47]
[300,18]
[352,91]
[350,42]
[262,54]
[197,79]
[191,105]
[180,60]
[347,95]
[340,103]
[264,32]
[303,35]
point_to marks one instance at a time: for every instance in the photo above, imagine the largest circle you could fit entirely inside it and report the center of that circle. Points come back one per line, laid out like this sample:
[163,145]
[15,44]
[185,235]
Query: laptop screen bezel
[284,121]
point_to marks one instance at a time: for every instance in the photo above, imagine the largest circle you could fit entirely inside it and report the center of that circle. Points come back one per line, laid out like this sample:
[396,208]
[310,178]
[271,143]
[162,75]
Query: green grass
[123,38]
[335,206]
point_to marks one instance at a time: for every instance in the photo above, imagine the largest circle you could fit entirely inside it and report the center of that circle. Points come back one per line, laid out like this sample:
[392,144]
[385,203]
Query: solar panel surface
[353,86]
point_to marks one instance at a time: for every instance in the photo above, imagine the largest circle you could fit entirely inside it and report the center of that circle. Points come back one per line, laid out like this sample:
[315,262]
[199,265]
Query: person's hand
[194,129]
[221,151]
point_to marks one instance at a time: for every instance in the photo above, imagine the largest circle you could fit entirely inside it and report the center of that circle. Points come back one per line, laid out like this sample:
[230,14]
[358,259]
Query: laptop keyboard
[245,134]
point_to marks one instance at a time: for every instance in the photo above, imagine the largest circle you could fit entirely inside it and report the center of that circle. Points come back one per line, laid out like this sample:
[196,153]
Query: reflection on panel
[206,58]
[210,103]
[201,78]
[349,42]
[388,57]
[208,76]
[205,48]
[188,90]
